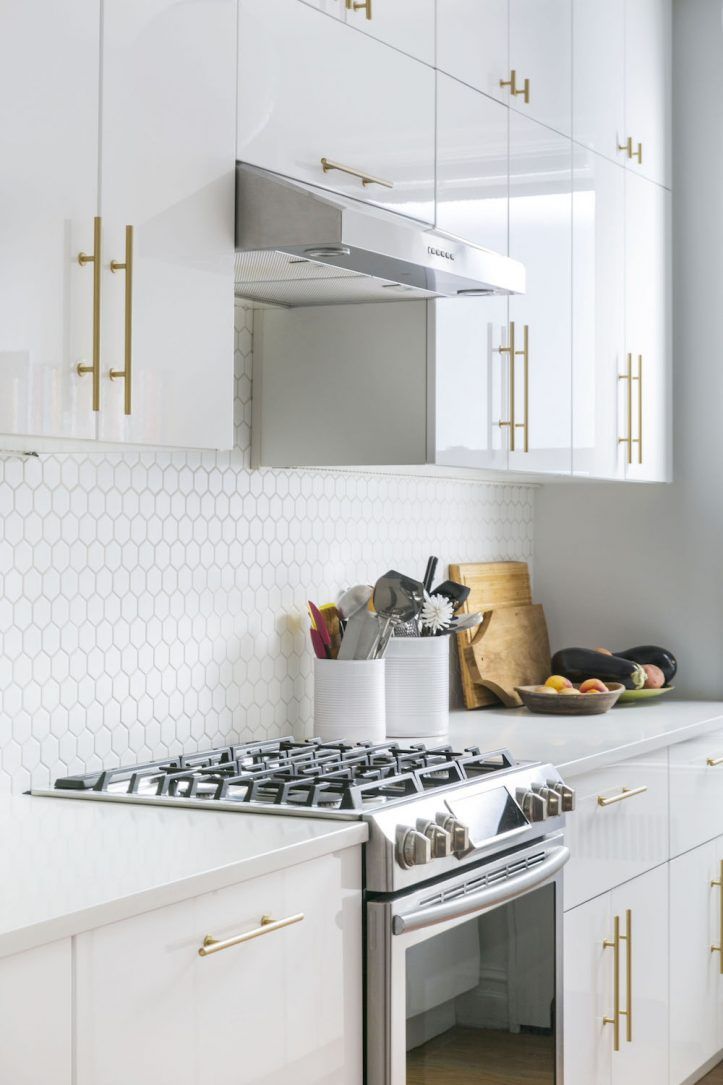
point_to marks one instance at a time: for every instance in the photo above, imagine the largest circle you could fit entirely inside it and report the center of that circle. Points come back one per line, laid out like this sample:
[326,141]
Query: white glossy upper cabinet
[404,24]
[308,90]
[648,80]
[48,115]
[645,411]
[540,56]
[598,314]
[539,409]
[336,8]
[598,75]
[473,43]
[167,172]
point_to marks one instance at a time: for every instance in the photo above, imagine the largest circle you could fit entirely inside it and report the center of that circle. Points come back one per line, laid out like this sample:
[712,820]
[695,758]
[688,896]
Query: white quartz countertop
[576,744]
[71,865]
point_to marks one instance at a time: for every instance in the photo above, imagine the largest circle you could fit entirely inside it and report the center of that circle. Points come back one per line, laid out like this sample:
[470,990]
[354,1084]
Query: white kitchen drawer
[309,89]
[612,844]
[696,792]
[285,1006]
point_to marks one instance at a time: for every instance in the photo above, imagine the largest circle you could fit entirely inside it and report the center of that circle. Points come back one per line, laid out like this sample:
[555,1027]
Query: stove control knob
[456,830]
[438,837]
[566,793]
[551,797]
[413,848]
[533,806]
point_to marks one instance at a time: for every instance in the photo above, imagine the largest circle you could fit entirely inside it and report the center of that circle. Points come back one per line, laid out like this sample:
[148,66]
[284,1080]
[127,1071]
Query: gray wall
[618,565]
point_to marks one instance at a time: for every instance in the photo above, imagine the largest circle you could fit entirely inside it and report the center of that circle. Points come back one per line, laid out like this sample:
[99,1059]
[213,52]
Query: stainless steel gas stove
[462,875]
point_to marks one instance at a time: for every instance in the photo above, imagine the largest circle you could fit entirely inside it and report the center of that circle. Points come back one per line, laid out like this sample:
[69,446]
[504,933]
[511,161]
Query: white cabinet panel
[541,51]
[472,165]
[696,792]
[611,844]
[286,1006]
[167,170]
[308,89]
[336,8]
[48,197]
[473,43]
[696,983]
[598,75]
[404,24]
[648,81]
[588,987]
[36,1016]
[643,1056]
[647,328]
[540,236]
[598,314]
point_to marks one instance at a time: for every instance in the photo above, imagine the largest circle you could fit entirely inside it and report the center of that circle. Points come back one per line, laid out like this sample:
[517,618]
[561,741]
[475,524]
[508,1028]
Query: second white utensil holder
[349,700]
[417,686]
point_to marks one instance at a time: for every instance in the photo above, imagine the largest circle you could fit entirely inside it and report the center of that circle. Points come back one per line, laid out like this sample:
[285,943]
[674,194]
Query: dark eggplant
[651,653]
[579,664]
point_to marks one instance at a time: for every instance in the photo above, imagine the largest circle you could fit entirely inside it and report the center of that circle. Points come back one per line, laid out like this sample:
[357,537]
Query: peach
[557,682]
[593,685]
[604,651]
[546,689]
[569,689]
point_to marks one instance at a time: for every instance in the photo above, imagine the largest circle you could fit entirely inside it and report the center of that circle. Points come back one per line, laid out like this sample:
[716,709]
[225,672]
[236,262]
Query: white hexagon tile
[151,603]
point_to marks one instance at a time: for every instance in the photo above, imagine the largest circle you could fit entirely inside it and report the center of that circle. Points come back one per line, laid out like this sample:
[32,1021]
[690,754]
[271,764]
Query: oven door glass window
[480,998]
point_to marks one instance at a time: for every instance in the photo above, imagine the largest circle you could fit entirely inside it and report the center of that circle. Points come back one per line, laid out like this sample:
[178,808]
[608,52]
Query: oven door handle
[488,897]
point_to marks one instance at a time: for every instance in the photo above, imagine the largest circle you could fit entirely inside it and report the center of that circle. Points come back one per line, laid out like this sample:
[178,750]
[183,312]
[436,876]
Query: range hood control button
[567,794]
[438,837]
[413,848]
[533,806]
[457,831]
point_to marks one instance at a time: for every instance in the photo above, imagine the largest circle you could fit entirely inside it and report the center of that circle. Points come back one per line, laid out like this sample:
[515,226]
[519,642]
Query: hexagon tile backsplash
[151,603]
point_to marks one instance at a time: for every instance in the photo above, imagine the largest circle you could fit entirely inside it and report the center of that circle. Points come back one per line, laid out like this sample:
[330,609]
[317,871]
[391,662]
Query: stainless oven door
[464,977]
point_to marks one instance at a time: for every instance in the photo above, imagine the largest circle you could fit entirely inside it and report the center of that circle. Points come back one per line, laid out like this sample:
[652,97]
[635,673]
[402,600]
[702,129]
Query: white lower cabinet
[283,1006]
[616,985]
[696,791]
[36,1016]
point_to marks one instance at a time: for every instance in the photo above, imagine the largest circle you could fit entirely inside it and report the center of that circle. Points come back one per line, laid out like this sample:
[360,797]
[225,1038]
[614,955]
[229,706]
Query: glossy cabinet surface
[648,82]
[473,43]
[36,1016]
[696,792]
[588,989]
[180,117]
[48,114]
[598,75]
[294,109]
[541,50]
[285,1006]
[407,25]
[540,218]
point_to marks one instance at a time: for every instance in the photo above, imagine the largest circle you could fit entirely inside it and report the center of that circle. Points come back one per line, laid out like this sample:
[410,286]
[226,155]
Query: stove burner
[330,775]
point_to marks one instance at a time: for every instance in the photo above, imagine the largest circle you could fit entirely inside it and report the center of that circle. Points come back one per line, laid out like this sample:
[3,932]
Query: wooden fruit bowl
[580,704]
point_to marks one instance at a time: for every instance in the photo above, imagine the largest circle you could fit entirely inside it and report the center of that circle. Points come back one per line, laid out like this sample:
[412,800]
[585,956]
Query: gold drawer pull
[719,948]
[94,258]
[360,5]
[628,939]
[614,945]
[365,178]
[126,372]
[267,926]
[626,793]
[713,762]
[524,90]
[628,148]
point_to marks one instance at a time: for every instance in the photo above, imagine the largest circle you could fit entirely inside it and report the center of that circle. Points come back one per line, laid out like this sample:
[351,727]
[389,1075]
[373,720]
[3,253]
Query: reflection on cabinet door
[598,75]
[472,43]
[645,412]
[648,63]
[167,170]
[309,89]
[337,8]
[468,382]
[696,983]
[48,115]
[588,993]
[404,24]
[598,313]
[540,236]
[541,53]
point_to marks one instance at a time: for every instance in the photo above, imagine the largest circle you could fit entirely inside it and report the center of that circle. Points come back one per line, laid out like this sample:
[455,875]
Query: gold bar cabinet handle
[639,379]
[511,352]
[713,762]
[627,938]
[614,945]
[626,793]
[638,154]
[719,948]
[524,90]
[365,178]
[126,373]
[628,440]
[266,926]
[628,148]
[95,259]
[360,5]
[525,355]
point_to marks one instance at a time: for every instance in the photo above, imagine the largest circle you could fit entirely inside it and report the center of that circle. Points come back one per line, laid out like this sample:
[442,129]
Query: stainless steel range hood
[298,245]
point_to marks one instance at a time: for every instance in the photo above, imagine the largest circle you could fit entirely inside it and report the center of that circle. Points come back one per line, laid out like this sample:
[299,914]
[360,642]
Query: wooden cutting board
[512,648]
[493,584]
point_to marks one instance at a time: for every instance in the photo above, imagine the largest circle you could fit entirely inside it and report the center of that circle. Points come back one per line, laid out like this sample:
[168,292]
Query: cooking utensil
[352,599]
[320,626]
[332,621]
[456,593]
[397,598]
[571,704]
[317,644]
[467,621]
[361,637]
[429,572]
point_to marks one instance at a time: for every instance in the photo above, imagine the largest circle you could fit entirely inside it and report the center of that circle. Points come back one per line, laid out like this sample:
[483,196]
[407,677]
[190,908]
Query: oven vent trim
[494,877]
